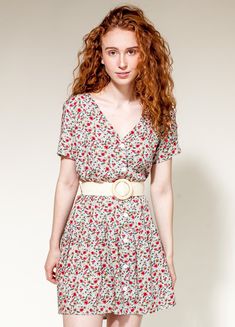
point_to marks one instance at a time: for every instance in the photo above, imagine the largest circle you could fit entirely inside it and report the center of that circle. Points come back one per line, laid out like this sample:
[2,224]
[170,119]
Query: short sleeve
[169,146]
[67,145]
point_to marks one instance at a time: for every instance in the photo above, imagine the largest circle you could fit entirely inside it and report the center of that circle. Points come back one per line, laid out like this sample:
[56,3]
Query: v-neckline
[121,139]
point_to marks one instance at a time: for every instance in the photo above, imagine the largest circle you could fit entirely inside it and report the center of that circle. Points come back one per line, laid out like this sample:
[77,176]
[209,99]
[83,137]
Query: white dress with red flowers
[112,257]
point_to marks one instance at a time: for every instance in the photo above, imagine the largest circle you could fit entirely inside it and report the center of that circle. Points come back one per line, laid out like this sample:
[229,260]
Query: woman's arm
[67,183]
[162,200]
[66,189]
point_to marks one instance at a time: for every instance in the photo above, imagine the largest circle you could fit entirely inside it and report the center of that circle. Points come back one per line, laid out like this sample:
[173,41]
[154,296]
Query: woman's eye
[111,52]
[132,51]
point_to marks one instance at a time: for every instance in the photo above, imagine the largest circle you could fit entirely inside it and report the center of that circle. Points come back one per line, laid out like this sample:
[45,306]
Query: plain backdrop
[39,45]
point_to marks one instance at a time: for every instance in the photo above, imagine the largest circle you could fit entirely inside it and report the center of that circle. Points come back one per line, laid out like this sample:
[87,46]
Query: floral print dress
[111,254]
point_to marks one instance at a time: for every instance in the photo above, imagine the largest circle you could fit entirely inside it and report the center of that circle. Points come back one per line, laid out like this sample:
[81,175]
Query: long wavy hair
[153,84]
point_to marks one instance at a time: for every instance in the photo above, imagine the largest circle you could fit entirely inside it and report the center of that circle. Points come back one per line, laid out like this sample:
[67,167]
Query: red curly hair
[153,84]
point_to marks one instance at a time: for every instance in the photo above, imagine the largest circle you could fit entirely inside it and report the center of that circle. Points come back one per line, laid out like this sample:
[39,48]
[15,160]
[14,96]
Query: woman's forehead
[120,39]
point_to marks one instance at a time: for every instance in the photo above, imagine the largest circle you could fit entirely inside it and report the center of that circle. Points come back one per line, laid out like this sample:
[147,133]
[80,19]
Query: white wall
[39,44]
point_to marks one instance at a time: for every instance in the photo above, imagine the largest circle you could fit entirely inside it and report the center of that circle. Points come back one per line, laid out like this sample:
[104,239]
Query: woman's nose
[122,61]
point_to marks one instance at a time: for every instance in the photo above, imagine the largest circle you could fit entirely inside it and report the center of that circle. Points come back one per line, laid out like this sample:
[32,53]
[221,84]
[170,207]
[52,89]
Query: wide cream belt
[121,188]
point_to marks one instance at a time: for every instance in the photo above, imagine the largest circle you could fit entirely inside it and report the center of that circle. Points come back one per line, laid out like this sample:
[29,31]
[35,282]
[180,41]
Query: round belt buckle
[122,188]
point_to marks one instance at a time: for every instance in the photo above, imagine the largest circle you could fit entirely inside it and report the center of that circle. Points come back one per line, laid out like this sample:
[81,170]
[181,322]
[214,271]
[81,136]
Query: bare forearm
[163,210]
[63,201]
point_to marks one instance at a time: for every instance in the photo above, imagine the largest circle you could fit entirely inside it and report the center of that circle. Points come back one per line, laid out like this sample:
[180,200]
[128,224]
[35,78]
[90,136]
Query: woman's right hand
[51,263]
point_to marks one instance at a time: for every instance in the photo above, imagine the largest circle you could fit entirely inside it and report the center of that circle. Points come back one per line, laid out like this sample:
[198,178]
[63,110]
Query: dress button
[126,240]
[125,214]
[124,288]
[124,169]
[122,146]
[125,266]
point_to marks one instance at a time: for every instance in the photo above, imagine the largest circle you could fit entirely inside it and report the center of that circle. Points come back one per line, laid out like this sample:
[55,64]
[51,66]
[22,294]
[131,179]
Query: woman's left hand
[172,270]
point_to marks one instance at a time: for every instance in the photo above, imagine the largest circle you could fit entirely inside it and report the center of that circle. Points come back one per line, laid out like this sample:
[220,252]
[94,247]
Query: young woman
[117,127]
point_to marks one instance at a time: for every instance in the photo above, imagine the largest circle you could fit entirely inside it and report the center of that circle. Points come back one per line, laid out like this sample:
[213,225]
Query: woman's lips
[123,75]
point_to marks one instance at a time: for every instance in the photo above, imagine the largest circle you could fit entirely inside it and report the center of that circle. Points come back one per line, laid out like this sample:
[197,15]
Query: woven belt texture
[122,188]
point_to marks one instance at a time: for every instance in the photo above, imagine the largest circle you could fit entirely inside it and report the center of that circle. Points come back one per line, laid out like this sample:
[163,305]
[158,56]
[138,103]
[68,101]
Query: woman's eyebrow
[117,48]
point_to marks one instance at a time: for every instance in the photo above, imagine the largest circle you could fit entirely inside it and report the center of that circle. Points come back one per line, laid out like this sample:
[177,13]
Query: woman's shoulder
[76,99]
[76,104]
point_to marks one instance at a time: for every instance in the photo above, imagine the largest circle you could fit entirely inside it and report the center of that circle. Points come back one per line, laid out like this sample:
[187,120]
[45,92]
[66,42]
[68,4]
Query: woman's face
[120,54]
